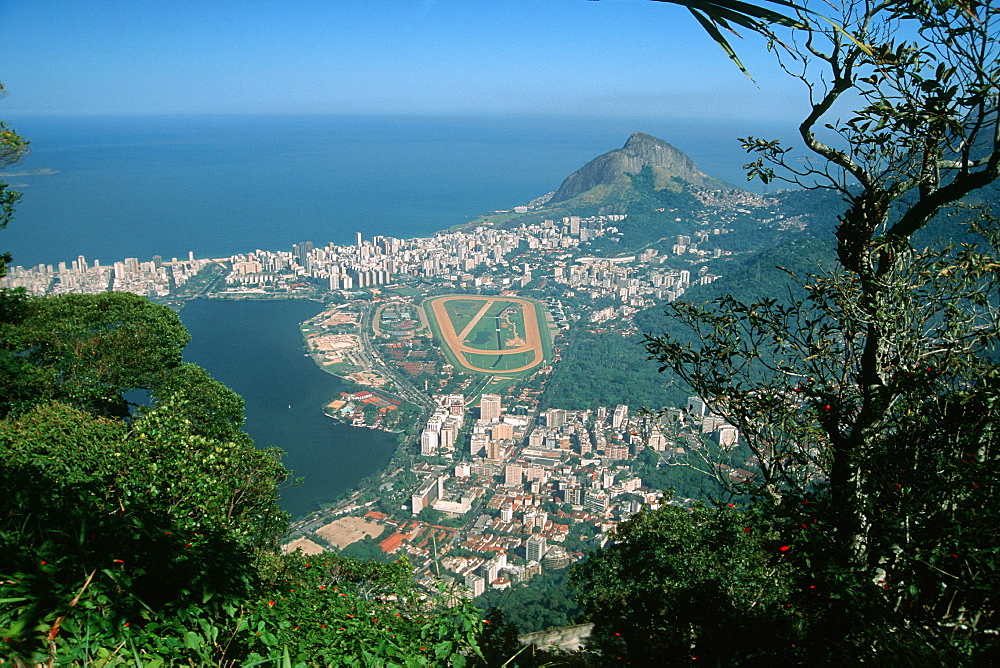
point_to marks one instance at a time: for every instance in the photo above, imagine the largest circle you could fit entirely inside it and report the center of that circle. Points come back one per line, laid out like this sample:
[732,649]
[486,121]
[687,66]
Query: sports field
[489,334]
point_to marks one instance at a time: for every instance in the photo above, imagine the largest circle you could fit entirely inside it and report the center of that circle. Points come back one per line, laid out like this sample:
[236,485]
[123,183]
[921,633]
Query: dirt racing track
[457,341]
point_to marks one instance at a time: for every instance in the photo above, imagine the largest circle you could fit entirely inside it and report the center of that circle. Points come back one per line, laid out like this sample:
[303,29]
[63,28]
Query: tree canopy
[868,394]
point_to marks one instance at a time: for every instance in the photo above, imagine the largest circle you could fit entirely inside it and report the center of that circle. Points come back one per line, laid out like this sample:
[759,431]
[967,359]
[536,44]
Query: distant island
[31,172]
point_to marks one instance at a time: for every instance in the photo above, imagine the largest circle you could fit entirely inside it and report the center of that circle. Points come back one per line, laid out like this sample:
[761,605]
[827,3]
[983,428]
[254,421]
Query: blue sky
[606,58]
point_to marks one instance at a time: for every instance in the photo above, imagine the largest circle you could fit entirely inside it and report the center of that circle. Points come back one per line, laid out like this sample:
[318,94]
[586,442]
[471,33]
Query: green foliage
[366,549]
[13,148]
[342,612]
[868,394]
[85,350]
[686,476]
[546,601]
[619,365]
[109,526]
[678,585]
[430,515]
[152,537]
[212,409]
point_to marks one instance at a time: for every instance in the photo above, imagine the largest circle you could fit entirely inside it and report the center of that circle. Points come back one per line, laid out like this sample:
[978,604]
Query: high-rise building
[478,443]
[491,569]
[514,475]
[476,584]
[428,442]
[727,436]
[619,417]
[656,440]
[697,407]
[596,501]
[494,450]
[429,491]
[501,430]
[535,548]
[555,417]
[489,407]
[455,403]
[616,451]
[447,435]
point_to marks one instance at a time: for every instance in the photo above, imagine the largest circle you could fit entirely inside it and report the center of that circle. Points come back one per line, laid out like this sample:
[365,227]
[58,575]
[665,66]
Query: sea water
[114,187]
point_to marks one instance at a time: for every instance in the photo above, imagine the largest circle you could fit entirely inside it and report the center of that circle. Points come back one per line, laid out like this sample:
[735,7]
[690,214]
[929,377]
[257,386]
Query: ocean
[109,188]
[114,187]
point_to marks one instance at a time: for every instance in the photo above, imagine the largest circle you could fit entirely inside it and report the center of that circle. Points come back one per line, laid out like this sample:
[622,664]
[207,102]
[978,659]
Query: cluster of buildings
[479,257]
[457,255]
[526,483]
[155,278]
[557,485]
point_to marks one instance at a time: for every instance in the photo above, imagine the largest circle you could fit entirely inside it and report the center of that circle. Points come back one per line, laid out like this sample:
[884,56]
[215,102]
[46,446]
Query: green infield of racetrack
[462,308]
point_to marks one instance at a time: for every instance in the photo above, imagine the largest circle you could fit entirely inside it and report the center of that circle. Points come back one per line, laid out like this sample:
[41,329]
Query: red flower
[785,548]
[746,529]
[485,621]
[271,603]
[119,561]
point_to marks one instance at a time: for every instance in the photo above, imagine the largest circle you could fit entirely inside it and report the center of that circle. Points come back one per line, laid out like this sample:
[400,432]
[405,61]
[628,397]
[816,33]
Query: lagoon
[255,348]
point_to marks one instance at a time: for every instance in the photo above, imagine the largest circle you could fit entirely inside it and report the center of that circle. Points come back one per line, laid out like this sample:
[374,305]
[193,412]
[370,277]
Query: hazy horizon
[115,187]
[614,58]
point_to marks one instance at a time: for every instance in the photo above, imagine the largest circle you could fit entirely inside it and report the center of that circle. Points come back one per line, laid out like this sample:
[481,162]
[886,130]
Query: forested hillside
[149,533]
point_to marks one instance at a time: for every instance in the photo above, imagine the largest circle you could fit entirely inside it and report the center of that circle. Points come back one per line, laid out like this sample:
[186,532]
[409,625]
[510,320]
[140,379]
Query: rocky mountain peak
[639,151]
